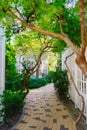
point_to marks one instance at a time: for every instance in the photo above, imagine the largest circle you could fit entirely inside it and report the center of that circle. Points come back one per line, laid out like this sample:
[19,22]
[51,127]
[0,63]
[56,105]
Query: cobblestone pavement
[43,111]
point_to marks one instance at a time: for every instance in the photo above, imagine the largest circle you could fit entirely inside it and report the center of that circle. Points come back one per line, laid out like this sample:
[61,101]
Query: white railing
[80,80]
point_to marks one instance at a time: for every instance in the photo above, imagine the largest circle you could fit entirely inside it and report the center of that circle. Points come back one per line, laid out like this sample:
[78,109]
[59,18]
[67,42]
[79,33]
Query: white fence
[80,80]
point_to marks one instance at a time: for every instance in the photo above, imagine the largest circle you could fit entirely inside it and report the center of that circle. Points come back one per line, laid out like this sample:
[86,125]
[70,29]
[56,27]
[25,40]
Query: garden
[37,32]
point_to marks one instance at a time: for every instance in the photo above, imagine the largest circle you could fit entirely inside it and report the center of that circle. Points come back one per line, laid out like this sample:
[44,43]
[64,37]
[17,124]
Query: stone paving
[44,111]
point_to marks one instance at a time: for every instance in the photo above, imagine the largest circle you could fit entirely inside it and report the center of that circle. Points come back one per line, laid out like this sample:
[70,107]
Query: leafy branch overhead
[52,19]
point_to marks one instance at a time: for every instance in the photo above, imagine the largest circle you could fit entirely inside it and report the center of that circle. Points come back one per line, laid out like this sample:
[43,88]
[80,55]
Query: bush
[61,82]
[12,103]
[36,82]
[49,78]
[14,83]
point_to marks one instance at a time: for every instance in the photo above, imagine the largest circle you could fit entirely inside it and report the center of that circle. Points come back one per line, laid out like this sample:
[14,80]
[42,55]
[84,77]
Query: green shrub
[49,78]
[14,83]
[61,82]
[36,82]
[12,103]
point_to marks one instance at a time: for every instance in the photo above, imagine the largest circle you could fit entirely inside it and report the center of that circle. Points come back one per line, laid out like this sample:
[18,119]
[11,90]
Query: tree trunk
[26,85]
[82,63]
[81,59]
[37,72]
[38,69]
[83,26]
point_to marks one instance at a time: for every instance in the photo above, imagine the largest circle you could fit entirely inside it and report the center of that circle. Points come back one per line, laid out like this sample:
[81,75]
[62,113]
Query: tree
[31,49]
[30,16]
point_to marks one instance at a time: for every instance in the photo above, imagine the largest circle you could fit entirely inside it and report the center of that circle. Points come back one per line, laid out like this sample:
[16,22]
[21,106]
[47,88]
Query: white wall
[43,68]
[18,64]
[64,55]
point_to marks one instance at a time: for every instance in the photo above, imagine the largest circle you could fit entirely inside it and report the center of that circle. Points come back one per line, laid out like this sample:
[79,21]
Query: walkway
[43,111]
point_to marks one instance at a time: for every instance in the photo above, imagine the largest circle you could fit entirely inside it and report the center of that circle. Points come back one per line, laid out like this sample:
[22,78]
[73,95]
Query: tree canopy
[50,18]
[54,17]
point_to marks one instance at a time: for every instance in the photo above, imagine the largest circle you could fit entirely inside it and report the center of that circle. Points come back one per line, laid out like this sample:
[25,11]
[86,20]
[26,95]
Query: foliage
[12,103]
[10,61]
[49,78]
[13,79]
[61,82]
[41,14]
[72,18]
[30,43]
[36,82]
[27,42]
[14,83]
[58,46]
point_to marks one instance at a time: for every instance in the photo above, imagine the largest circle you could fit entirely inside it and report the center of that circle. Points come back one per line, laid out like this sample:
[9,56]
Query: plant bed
[11,122]
[13,103]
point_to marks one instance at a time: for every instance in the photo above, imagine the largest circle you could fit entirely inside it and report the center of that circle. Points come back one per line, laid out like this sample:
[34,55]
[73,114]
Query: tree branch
[58,36]
[19,12]
[61,29]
